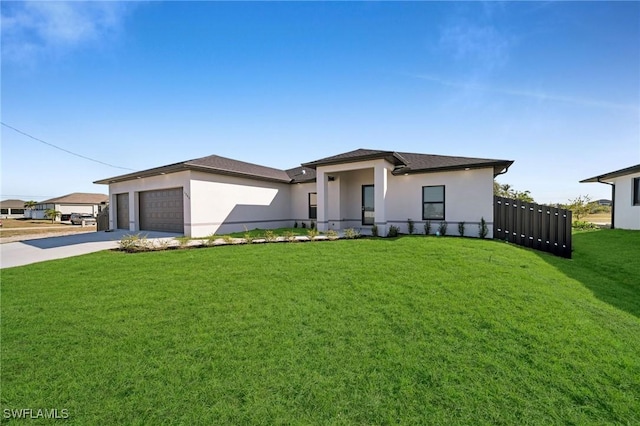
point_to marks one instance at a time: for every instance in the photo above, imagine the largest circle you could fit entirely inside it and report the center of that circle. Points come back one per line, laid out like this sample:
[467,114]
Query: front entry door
[368,213]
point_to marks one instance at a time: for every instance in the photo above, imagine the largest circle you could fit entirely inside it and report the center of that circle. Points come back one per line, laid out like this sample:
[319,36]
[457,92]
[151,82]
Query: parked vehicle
[78,218]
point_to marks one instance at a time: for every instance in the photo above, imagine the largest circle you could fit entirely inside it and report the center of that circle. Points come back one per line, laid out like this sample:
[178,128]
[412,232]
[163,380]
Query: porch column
[322,190]
[380,191]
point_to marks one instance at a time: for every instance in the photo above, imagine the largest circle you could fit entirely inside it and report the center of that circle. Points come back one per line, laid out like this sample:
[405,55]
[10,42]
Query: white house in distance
[355,189]
[77,202]
[11,209]
[625,196]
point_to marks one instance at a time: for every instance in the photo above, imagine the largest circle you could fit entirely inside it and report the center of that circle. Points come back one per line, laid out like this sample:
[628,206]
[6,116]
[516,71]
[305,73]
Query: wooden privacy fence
[532,225]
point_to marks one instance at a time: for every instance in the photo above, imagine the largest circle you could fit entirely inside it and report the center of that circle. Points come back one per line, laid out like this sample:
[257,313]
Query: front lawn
[412,330]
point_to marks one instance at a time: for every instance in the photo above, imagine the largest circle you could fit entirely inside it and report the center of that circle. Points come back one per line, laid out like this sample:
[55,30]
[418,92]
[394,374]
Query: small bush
[461,228]
[183,241]
[442,228]
[132,243]
[304,225]
[583,225]
[295,224]
[427,227]
[374,230]
[393,231]
[331,234]
[228,239]
[312,225]
[351,233]
[290,236]
[270,236]
[312,233]
[483,229]
[410,226]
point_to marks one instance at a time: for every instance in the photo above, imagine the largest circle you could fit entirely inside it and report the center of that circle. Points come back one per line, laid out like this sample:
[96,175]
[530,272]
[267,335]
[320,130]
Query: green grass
[412,330]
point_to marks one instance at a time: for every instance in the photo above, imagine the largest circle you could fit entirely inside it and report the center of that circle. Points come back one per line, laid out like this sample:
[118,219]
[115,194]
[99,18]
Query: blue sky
[553,86]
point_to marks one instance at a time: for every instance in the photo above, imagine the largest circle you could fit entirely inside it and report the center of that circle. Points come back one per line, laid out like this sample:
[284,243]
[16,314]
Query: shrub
[269,235]
[227,239]
[393,231]
[427,227]
[290,236]
[183,241]
[374,230]
[351,233]
[211,239]
[295,224]
[410,226]
[312,225]
[583,225]
[331,234]
[132,243]
[304,225]
[442,228]
[247,236]
[312,233]
[461,228]
[483,229]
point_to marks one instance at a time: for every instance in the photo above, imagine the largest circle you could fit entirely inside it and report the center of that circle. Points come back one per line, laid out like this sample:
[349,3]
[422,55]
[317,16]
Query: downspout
[613,202]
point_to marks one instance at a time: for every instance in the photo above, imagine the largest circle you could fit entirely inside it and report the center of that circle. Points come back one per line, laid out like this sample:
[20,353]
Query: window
[636,191]
[17,211]
[313,205]
[4,211]
[433,202]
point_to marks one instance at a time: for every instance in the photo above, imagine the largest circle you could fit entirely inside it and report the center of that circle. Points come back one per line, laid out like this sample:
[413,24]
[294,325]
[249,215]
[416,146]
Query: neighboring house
[603,202]
[356,189]
[625,196]
[77,202]
[12,209]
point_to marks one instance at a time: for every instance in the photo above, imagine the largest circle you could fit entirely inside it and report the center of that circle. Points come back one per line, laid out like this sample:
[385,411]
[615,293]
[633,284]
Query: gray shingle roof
[405,162]
[78,198]
[615,174]
[408,162]
[12,204]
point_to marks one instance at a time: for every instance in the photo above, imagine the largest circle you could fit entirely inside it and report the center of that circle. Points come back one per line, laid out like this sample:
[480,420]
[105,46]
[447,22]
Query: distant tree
[30,205]
[52,214]
[507,191]
[579,206]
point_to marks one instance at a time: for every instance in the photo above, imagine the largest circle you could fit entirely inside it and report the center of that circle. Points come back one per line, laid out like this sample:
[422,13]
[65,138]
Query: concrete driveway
[42,249]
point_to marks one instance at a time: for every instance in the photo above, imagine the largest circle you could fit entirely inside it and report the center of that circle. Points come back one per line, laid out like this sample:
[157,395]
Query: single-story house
[356,189]
[77,202]
[11,209]
[625,196]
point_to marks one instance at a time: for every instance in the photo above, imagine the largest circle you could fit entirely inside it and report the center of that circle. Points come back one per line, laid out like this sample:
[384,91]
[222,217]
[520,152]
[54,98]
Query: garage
[162,210]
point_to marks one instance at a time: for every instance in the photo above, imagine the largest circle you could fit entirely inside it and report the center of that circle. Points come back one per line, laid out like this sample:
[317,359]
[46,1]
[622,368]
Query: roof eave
[498,167]
[392,157]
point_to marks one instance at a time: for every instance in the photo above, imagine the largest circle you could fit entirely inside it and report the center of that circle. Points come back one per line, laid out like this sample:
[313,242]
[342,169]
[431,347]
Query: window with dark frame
[636,191]
[313,205]
[433,202]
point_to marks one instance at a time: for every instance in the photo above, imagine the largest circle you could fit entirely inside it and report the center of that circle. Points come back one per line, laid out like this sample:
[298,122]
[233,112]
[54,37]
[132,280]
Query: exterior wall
[300,202]
[223,204]
[468,197]
[11,213]
[627,216]
[133,187]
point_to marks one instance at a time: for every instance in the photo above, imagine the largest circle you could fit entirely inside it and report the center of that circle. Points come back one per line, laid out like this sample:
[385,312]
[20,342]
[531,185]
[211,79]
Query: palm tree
[30,205]
[52,214]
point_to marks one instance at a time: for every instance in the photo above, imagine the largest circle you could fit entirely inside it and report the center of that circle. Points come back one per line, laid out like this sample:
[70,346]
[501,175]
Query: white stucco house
[77,202]
[356,189]
[625,196]
[12,209]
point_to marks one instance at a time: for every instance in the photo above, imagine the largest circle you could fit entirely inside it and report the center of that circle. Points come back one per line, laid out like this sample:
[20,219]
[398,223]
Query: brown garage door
[122,211]
[162,210]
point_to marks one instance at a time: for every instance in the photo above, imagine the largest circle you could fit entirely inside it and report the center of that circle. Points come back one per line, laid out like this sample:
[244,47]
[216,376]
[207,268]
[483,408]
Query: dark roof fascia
[178,167]
[498,167]
[171,168]
[614,174]
[392,157]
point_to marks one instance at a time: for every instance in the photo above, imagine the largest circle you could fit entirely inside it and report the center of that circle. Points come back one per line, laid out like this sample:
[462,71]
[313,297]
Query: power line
[62,149]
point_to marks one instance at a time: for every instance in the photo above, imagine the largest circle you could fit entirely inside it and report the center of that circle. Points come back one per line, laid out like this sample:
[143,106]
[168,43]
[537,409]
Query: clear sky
[554,86]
